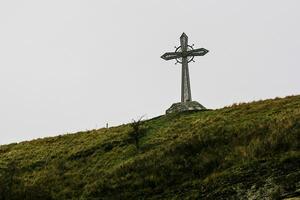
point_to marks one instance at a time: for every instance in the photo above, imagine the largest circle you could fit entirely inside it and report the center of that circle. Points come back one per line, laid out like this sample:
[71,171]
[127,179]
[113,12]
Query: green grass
[217,154]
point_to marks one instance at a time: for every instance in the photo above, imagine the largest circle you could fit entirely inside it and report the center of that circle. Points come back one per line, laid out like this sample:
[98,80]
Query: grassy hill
[246,151]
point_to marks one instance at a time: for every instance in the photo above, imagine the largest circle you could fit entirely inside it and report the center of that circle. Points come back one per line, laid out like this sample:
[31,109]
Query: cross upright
[184,54]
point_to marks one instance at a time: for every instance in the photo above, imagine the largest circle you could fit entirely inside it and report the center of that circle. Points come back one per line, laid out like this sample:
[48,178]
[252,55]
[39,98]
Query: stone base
[185,106]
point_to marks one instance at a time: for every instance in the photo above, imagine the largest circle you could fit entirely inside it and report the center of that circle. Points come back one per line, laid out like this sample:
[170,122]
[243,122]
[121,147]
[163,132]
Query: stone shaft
[185,82]
[185,79]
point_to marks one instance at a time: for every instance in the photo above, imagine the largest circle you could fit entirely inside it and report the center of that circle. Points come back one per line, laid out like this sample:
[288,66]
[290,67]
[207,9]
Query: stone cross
[185,54]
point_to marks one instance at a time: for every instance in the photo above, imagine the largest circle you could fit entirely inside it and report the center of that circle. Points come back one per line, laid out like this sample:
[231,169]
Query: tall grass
[181,156]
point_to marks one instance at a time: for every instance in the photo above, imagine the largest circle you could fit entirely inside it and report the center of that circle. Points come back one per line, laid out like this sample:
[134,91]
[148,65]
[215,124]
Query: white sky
[70,65]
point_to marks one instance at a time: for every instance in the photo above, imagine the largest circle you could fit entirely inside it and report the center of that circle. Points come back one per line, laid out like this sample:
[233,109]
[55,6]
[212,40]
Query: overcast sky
[70,65]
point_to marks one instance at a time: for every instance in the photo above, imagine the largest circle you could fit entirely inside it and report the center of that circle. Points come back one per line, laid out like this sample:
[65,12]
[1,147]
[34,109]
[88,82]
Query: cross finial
[184,35]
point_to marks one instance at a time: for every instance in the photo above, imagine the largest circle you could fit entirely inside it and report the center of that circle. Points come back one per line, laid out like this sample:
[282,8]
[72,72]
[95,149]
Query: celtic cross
[185,54]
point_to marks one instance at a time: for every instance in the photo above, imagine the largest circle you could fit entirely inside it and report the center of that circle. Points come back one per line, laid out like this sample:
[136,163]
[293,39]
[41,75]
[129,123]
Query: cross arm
[197,52]
[171,55]
[184,42]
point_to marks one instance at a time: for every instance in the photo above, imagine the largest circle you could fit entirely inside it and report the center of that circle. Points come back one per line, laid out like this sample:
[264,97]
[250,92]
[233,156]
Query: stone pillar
[185,82]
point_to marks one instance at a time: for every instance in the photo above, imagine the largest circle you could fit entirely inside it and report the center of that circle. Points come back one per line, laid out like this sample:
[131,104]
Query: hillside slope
[246,151]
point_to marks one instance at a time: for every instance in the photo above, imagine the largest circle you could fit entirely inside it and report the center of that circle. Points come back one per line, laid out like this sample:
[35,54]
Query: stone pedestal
[185,106]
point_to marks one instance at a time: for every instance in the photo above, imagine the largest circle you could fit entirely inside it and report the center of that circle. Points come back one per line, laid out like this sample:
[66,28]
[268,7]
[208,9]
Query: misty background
[74,65]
